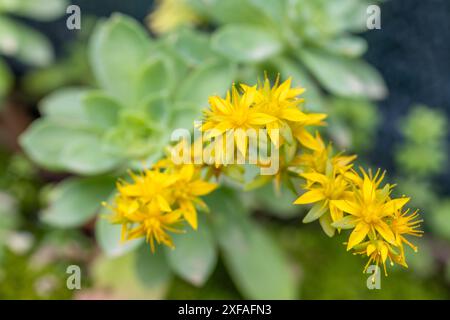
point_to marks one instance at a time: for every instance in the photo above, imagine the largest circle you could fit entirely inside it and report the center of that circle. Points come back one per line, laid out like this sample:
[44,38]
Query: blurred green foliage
[325,273]
[421,157]
[354,123]
[70,69]
[19,280]
[21,42]
[143,87]
[424,151]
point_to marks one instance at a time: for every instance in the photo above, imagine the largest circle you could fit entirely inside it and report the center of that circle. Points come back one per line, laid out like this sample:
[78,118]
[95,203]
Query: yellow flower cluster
[276,109]
[341,198]
[156,201]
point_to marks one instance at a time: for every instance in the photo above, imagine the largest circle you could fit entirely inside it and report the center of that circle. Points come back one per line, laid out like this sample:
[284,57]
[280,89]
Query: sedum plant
[157,201]
[148,87]
[21,42]
[313,41]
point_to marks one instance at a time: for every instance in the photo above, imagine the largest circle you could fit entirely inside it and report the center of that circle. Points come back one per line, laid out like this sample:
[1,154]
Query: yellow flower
[151,186]
[235,112]
[322,190]
[147,220]
[158,200]
[302,135]
[186,192]
[406,224]
[169,15]
[153,224]
[368,211]
[378,251]
[316,161]
[282,102]
[123,207]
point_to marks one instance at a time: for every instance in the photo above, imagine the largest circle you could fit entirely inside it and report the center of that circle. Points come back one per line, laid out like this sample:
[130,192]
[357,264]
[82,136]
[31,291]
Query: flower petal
[347,206]
[292,114]
[386,232]
[310,197]
[359,233]
[315,177]
[394,205]
[306,139]
[200,188]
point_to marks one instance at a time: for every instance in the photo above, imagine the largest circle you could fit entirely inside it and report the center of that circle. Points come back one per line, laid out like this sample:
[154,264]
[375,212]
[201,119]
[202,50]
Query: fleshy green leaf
[24,43]
[152,268]
[158,108]
[118,49]
[194,256]
[154,79]
[210,79]
[44,141]
[65,106]
[257,265]
[61,147]
[246,43]
[36,9]
[193,46]
[183,115]
[343,76]
[101,110]
[348,46]
[88,155]
[76,200]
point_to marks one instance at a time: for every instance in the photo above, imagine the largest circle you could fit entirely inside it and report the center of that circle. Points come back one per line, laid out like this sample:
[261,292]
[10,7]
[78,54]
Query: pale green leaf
[36,9]
[343,76]
[24,43]
[65,106]
[257,265]
[118,49]
[76,200]
[213,78]
[195,254]
[101,109]
[246,43]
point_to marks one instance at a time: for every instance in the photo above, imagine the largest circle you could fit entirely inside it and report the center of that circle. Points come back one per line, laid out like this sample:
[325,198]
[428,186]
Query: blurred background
[393,112]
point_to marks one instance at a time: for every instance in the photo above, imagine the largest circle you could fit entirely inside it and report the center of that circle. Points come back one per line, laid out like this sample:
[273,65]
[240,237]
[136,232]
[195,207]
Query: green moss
[18,280]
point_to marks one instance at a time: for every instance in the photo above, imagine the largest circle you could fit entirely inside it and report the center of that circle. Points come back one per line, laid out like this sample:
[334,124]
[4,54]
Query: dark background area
[411,51]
